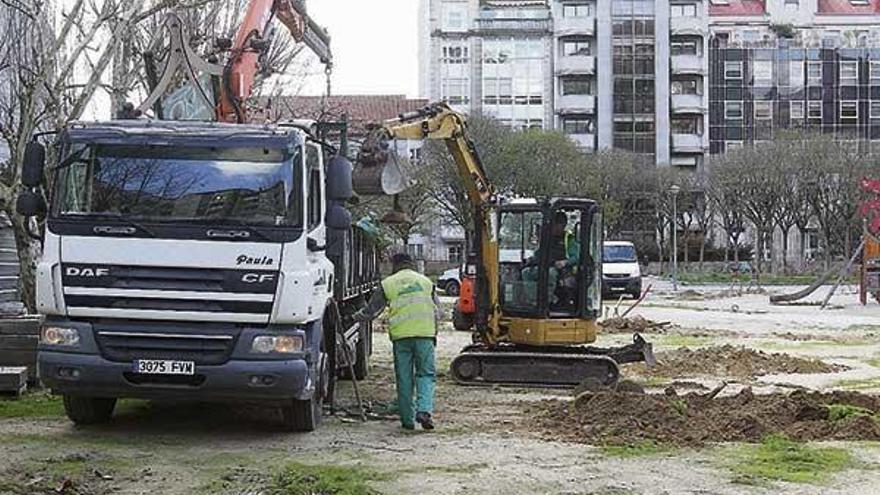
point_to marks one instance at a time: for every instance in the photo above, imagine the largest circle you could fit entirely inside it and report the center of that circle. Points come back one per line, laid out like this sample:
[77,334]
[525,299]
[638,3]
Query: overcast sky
[375,45]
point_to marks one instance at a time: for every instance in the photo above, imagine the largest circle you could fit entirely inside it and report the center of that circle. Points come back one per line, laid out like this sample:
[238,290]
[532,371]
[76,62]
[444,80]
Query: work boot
[408,426]
[425,420]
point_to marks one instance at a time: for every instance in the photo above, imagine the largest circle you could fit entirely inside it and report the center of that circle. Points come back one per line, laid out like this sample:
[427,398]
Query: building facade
[672,80]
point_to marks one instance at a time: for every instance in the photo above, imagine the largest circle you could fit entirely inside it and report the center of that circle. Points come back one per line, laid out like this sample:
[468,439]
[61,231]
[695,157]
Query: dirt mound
[633,324]
[696,419]
[730,361]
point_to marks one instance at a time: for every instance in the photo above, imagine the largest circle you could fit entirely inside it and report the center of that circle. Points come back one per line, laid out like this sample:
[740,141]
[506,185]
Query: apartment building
[671,80]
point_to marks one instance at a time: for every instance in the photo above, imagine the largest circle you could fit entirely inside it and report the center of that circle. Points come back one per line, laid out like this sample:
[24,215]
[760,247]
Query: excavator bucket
[380,170]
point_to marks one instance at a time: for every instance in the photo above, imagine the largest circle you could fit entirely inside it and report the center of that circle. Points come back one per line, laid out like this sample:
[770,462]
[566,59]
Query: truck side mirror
[31,204]
[337,217]
[339,186]
[34,162]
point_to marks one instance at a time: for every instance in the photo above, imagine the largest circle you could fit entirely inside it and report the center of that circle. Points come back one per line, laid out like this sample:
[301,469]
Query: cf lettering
[256,278]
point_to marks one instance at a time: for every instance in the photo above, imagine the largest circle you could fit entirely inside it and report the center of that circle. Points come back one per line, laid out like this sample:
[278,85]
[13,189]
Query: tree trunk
[28,251]
[784,251]
[702,250]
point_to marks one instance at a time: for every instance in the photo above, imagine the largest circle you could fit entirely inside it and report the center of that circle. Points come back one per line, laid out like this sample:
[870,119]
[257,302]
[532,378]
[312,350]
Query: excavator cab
[550,263]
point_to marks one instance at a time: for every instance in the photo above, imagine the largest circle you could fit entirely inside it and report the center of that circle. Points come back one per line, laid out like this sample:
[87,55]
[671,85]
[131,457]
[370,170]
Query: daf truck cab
[196,261]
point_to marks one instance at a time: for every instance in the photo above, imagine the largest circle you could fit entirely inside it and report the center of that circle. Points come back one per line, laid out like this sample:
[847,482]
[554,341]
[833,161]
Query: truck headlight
[284,344]
[59,336]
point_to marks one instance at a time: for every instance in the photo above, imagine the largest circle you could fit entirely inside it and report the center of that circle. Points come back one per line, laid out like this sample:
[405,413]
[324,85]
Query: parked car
[620,269]
[450,281]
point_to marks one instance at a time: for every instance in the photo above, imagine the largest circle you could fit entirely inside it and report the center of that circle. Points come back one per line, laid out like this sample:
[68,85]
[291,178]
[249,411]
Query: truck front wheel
[305,415]
[88,410]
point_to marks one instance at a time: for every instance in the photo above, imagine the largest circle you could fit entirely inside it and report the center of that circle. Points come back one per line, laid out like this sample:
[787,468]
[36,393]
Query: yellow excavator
[531,293]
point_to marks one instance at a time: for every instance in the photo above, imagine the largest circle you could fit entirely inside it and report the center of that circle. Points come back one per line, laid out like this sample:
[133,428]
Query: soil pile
[696,419]
[730,361]
[634,324]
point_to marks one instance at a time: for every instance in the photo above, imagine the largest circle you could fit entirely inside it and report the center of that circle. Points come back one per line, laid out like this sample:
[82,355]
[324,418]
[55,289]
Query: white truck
[197,261]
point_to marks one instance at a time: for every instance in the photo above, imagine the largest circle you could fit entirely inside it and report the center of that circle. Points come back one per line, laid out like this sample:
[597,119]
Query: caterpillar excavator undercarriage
[532,293]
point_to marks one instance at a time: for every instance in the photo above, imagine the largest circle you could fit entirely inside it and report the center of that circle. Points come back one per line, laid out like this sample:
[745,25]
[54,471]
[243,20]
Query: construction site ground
[684,434]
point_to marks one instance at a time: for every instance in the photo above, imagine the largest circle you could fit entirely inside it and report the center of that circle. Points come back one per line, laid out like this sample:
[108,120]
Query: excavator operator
[565,252]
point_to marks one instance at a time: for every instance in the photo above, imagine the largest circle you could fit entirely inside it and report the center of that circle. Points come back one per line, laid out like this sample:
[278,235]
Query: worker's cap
[401,258]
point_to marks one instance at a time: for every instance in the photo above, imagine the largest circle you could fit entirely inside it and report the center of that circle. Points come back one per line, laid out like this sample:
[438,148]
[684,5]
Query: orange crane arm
[251,41]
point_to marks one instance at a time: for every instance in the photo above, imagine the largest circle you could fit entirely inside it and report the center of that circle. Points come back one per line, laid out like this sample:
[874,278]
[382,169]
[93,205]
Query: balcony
[575,65]
[569,104]
[688,26]
[688,104]
[688,64]
[584,26]
[514,26]
[687,143]
[584,141]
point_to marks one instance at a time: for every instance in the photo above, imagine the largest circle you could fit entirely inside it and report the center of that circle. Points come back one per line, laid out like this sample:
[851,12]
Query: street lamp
[674,190]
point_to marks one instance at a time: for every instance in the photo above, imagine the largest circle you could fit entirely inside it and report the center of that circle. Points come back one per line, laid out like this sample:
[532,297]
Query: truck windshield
[253,186]
[618,254]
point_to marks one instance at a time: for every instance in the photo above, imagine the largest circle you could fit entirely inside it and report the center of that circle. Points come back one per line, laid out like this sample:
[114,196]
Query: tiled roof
[846,7]
[737,8]
[360,109]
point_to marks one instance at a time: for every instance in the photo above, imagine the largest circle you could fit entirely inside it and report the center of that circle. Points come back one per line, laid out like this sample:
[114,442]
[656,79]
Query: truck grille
[92,290]
[127,346]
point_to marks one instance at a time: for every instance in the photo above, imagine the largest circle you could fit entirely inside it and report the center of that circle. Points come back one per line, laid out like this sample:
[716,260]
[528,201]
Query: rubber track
[532,369]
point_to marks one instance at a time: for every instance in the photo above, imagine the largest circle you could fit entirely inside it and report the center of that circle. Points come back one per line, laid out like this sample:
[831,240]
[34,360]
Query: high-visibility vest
[410,305]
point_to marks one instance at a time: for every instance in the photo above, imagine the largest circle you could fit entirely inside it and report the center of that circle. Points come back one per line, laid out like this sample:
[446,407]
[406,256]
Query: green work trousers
[414,368]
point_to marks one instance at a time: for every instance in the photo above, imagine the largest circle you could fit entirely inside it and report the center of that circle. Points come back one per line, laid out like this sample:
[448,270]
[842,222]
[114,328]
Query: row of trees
[799,182]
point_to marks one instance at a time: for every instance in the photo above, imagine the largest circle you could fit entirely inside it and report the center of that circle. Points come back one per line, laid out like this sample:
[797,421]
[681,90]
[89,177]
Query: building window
[577,125]
[455,16]
[684,48]
[814,73]
[570,10]
[498,91]
[683,10]
[454,253]
[575,47]
[796,110]
[733,70]
[455,91]
[685,125]
[796,73]
[684,87]
[793,3]
[875,71]
[733,145]
[875,109]
[763,72]
[814,110]
[849,73]
[455,54]
[763,110]
[733,110]
[849,109]
[575,86]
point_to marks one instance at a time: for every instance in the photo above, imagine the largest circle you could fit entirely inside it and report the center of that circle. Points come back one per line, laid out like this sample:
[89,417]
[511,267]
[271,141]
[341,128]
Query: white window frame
[814,81]
[850,104]
[797,104]
[735,66]
[762,81]
[814,104]
[874,72]
[849,80]
[732,145]
[682,7]
[763,104]
[871,112]
[728,104]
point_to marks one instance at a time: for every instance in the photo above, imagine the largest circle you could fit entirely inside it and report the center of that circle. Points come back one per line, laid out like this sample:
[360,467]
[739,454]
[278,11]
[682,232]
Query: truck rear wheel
[88,410]
[305,415]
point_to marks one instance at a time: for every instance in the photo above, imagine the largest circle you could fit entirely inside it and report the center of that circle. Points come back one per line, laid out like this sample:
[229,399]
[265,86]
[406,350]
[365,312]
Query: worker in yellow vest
[413,310]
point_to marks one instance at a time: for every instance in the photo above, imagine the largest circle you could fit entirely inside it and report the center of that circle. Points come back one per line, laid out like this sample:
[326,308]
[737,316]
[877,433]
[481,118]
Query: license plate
[161,367]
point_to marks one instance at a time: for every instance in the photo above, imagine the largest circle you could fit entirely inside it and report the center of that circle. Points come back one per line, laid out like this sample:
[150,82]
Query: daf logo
[257,278]
[75,271]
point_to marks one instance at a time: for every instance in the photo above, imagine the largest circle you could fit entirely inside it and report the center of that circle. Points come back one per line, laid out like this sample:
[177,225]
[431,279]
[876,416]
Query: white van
[620,269]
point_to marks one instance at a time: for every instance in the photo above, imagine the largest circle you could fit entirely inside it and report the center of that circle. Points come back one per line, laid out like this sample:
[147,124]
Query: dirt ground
[502,440]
